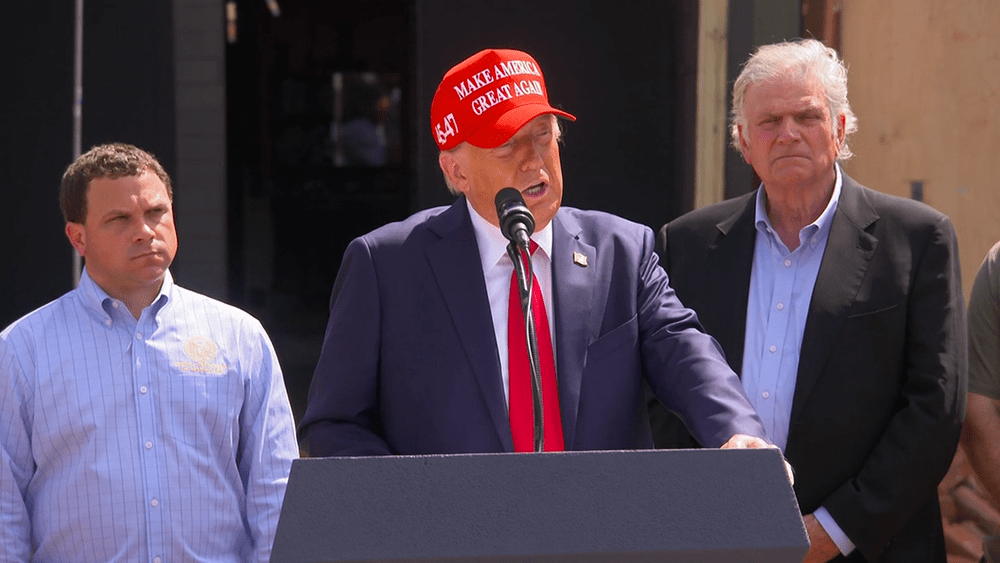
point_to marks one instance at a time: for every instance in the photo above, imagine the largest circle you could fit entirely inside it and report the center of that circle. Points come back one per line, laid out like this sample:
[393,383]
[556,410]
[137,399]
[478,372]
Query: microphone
[517,224]
[516,221]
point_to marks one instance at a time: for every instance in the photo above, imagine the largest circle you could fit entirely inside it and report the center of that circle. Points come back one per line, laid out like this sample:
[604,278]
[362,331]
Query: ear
[841,132]
[744,145]
[453,170]
[77,237]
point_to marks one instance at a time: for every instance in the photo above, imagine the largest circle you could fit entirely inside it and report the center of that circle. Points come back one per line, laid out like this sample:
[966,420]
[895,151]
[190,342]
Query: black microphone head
[513,214]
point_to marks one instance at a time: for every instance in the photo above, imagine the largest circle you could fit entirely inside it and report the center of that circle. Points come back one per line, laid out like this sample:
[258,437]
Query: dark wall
[752,24]
[128,81]
[739,174]
[35,147]
[128,96]
[627,74]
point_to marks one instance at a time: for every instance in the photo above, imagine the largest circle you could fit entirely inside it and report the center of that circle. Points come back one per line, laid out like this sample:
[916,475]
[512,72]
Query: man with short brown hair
[139,421]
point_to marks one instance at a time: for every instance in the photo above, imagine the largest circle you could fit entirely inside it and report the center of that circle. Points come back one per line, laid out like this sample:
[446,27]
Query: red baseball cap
[486,98]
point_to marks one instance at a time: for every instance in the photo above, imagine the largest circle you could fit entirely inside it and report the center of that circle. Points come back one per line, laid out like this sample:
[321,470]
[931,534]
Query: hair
[456,148]
[451,187]
[802,58]
[114,160]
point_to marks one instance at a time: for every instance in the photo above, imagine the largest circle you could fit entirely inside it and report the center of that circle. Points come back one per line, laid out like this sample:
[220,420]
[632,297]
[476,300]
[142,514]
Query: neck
[792,208]
[135,299]
[136,303]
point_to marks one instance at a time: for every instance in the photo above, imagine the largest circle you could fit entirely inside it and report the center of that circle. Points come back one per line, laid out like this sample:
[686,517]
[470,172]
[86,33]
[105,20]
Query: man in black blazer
[840,307]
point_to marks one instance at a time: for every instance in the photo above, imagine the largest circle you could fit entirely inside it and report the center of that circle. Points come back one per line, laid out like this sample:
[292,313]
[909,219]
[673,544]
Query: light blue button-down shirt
[167,438]
[781,286]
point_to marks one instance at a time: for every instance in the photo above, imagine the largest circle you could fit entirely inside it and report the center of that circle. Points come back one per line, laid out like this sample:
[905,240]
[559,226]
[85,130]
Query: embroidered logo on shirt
[202,351]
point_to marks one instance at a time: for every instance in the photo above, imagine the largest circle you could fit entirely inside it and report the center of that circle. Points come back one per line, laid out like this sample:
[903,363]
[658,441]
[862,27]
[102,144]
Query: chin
[543,218]
[153,273]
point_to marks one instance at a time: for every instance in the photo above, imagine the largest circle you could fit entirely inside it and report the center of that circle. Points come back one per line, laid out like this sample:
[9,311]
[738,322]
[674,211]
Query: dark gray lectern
[691,506]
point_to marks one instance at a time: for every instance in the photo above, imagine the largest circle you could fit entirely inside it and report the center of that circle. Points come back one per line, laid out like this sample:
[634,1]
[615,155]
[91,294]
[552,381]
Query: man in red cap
[419,357]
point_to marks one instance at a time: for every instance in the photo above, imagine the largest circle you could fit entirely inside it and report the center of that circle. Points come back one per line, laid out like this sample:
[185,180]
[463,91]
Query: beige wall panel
[924,78]
[710,130]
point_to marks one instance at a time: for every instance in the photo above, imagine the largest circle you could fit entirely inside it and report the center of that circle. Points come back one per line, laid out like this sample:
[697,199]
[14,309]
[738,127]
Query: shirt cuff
[844,544]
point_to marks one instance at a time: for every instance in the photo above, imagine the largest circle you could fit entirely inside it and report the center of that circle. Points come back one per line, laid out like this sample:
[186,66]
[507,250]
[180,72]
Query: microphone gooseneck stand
[524,286]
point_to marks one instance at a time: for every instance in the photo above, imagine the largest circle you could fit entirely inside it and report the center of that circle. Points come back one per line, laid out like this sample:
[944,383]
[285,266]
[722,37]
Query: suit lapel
[458,270]
[578,310]
[849,251]
[729,261]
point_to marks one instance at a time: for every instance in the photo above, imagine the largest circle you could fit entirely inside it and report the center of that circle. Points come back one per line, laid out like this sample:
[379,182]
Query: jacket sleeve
[685,367]
[342,416]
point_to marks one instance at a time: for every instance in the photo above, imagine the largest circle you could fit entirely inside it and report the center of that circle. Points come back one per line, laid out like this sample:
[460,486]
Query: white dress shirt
[497,269]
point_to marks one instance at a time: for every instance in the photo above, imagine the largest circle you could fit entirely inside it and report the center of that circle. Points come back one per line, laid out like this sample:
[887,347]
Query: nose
[532,159]
[144,231]
[789,130]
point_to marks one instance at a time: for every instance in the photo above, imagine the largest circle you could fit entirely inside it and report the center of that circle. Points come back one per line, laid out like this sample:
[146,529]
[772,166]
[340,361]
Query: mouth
[535,190]
[147,254]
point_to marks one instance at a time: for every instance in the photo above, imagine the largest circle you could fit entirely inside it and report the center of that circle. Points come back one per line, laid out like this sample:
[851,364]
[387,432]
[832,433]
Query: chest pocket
[201,409]
[615,338]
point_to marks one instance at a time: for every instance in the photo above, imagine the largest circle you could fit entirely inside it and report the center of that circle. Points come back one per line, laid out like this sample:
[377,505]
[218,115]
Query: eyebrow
[115,213]
[770,112]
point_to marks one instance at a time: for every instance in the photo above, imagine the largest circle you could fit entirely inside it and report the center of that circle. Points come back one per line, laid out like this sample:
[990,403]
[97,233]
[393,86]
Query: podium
[691,506]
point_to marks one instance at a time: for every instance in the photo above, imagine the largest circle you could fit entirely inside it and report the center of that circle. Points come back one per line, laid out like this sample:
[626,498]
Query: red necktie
[522,419]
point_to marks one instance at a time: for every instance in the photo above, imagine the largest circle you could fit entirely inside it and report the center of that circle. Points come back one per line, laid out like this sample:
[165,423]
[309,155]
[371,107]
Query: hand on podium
[821,546]
[742,441]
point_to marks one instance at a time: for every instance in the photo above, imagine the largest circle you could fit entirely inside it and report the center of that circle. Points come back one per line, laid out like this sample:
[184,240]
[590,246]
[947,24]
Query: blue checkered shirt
[167,438]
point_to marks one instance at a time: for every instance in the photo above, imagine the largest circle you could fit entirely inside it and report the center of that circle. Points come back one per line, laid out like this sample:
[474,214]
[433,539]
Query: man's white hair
[802,58]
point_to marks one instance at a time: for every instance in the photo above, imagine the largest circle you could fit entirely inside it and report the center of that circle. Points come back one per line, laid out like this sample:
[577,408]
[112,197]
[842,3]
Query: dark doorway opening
[317,111]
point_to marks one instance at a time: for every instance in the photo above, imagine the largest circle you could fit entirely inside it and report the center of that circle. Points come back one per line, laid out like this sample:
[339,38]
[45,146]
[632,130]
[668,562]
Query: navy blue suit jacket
[410,362]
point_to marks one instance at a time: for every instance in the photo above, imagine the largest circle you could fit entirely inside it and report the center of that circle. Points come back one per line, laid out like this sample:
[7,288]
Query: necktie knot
[532,247]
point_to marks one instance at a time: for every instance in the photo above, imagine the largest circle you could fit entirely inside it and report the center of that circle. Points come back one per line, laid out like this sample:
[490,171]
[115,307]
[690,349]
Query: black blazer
[880,393]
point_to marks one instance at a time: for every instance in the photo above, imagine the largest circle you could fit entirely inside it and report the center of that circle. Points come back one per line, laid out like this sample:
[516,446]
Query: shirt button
[114,304]
[765,394]
[788,263]
[154,502]
[149,445]
[773,348]
[107,322]
[157,560]
[139,362]
[142,389]
[138,336]
[781,306]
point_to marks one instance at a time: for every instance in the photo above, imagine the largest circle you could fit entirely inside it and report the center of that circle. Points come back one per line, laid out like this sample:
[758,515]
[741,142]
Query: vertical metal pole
[78,112]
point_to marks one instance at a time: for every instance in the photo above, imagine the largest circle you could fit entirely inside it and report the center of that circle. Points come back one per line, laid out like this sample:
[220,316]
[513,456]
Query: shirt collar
[99,301]
[493,245]
[822,223]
